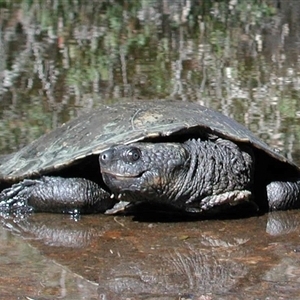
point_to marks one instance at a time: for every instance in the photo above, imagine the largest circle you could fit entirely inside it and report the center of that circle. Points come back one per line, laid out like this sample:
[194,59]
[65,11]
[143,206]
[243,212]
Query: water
[60,58]
[122,258]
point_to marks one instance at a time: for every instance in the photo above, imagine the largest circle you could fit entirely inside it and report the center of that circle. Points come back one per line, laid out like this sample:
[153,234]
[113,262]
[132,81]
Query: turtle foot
[15,198]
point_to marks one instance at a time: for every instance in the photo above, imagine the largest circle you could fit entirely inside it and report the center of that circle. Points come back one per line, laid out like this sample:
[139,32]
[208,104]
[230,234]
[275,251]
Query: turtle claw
[118,208]
[14,199]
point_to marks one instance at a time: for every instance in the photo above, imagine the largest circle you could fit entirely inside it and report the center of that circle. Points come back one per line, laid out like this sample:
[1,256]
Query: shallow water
[104,257]
[60,58]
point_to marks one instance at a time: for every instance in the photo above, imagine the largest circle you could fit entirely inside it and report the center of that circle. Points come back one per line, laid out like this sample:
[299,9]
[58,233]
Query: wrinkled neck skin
[213,168]
[189,175]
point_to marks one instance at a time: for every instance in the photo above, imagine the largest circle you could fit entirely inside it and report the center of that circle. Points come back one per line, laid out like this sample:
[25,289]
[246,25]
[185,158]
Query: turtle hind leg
[283,195]
[55,194]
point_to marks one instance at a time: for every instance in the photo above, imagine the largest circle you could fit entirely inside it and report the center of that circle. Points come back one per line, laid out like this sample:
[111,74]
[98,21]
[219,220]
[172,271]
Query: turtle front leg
[283,195]
[56,194]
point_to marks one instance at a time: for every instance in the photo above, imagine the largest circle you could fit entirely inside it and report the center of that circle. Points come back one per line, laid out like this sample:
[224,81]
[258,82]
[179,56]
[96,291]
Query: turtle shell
[124,123]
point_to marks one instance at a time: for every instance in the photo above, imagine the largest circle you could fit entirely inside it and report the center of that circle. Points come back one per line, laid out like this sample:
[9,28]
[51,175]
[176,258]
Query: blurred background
[62,57]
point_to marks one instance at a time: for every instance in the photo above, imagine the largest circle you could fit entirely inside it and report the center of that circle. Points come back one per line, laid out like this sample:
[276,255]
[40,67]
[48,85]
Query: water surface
[122,258]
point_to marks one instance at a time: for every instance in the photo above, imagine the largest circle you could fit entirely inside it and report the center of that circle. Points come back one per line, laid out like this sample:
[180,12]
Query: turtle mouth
[122,186]
[119,176]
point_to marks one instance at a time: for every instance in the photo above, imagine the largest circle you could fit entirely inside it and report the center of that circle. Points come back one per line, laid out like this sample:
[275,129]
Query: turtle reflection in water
[180,155]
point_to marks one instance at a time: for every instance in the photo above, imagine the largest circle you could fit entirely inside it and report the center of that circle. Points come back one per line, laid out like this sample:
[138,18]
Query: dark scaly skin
[194,176]
[283,194]
[56,194]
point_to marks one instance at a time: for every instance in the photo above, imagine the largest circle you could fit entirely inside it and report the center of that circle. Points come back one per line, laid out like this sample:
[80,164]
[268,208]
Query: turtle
[176,154]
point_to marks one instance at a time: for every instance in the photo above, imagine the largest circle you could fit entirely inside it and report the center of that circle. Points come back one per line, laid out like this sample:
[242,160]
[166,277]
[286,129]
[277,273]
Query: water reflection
[129,259]
[59,60]
[25,272]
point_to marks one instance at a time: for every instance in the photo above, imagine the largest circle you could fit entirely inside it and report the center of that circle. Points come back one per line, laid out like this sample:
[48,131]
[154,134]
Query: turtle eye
[133,154]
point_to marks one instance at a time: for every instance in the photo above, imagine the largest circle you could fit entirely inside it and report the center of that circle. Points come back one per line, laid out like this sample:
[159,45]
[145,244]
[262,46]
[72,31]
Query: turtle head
[143,171]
